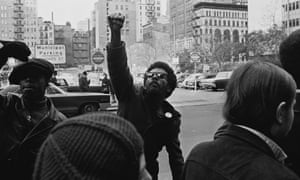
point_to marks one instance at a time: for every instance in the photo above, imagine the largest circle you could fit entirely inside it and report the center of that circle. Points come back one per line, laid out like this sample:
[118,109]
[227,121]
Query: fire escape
[19,22]
[150,11]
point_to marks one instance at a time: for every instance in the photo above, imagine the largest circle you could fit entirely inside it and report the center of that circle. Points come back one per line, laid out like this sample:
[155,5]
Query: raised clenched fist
[116,21]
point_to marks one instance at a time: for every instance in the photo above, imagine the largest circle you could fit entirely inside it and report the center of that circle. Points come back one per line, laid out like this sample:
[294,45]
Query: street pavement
[185,97]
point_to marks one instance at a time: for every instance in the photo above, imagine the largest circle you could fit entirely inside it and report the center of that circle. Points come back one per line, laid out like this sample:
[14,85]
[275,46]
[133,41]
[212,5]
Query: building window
[294,6]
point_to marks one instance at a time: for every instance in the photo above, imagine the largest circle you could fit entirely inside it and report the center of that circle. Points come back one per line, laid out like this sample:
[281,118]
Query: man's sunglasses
[158,75]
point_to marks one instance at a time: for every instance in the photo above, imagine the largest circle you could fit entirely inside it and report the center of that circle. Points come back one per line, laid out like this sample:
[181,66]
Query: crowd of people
[258,139]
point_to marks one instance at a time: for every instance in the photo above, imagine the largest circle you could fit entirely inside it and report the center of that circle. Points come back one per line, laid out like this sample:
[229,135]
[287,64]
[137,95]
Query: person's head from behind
[160,80]
[290,55]
[92,146]
[84,73]
[261,96]
[33,77]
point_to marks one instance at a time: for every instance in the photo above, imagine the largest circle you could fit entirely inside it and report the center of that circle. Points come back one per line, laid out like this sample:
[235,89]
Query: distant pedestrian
[107,83]
[84,82]
[146,107]
[258,111]
[92,146]
[289,57]
[25,118]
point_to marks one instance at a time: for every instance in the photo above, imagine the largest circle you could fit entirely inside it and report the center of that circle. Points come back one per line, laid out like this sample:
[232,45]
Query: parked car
[63,84]
[71,103]
[219,82]
[180,78]
[190,81]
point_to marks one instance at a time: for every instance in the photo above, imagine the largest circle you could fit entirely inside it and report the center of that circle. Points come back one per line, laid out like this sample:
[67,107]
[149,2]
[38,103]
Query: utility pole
[174,36]
[89,42]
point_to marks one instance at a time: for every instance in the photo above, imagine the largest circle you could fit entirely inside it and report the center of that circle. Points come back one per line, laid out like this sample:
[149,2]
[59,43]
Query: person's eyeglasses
[158,75]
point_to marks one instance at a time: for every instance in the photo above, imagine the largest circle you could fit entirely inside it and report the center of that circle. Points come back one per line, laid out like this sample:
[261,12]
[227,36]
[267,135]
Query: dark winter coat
[83,83]
[18,147]
[235,154]
[157,130]
[290,143]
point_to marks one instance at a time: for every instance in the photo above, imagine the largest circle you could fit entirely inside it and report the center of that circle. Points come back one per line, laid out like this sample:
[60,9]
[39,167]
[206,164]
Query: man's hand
[115,22]
[15,49]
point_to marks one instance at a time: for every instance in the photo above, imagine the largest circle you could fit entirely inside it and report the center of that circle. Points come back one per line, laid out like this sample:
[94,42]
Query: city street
[201,116]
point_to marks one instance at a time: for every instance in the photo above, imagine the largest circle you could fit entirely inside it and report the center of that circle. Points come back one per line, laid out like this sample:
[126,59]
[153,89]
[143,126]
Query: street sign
[98,58]
[195,57]
[56,54]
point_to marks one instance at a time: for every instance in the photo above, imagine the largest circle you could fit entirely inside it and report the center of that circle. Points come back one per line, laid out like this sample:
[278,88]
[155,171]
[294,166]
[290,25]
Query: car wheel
[90,107]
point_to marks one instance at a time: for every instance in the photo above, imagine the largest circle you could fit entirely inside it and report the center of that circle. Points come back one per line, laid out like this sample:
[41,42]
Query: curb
[175,104]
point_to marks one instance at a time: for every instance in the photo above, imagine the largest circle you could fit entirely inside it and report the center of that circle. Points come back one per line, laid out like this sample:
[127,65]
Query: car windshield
[202,41]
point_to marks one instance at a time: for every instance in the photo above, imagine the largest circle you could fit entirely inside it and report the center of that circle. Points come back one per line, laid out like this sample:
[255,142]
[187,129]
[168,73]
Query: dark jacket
[235,154]
[290,143]
[18,147]
[83,83]
[157,130]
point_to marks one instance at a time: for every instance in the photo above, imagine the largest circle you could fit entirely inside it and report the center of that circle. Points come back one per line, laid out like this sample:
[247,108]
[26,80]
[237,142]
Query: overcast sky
[262,13]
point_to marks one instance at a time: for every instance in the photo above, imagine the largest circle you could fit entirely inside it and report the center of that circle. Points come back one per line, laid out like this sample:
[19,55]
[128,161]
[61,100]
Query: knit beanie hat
[172,80]
[91,146]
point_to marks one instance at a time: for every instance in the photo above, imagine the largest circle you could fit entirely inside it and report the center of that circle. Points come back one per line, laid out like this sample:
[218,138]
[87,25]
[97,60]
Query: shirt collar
[279,154]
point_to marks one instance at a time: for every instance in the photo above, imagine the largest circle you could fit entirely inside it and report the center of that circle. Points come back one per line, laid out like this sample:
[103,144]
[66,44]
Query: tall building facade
[147,11]
[182,18]
[81,49]
[63,34]
[157,35]
[45,31]
[217,22]
[30,24]
[103,8]
[291,15]
[180,21]
[19,20]
[7,22]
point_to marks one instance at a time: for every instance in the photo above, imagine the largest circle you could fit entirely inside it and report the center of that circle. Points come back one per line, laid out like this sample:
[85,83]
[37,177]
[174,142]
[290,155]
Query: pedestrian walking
[84,82]
[146,107]
[106,83]
[258,111]
[289,57]
[26,118]
[96,146]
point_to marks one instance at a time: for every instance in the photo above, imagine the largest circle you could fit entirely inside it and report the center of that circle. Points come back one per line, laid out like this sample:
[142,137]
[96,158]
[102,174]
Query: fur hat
[33,66]
[91,146]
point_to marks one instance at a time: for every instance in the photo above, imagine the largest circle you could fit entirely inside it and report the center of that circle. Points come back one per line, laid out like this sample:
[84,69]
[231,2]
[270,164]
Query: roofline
[222,6]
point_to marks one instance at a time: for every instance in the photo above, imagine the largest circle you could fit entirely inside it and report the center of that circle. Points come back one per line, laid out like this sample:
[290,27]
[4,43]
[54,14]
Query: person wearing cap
[95,146]
[146,107]
[25,118]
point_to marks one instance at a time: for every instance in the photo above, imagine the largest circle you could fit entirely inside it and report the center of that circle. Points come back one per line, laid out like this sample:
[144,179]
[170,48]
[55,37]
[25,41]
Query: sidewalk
[184,97]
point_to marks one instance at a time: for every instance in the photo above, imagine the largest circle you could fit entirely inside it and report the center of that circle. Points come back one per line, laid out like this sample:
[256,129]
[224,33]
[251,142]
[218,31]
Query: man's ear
[281,112]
